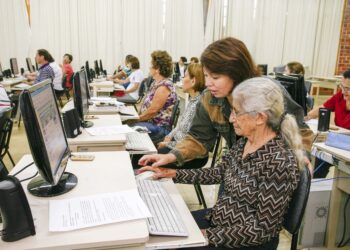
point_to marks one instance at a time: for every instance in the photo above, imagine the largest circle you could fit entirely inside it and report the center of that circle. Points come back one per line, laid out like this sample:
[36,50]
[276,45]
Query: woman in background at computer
[134,80]
[193,84]
[340,105]
[294,68]
[259,173]
[194,60]
[122,72]
[156,109]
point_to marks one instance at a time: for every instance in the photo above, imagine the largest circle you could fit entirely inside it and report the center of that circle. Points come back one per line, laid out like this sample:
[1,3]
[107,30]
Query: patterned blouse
[164,115]
[257,191]
[183,126]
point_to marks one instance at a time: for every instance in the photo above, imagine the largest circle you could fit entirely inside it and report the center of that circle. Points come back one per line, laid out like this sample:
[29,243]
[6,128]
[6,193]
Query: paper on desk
[89,211]
[110,130]
[22,86]
[312,122]
[101,98]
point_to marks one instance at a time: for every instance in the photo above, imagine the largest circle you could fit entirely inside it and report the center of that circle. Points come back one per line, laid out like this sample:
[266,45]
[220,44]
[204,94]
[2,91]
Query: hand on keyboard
[158,172]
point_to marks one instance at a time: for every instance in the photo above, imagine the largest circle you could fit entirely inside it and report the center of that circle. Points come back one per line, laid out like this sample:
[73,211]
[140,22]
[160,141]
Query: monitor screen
[30,65]
[14,66]
[97,69]
[295,86]
[87,68]
[81,101]
[46,138]
[262,68]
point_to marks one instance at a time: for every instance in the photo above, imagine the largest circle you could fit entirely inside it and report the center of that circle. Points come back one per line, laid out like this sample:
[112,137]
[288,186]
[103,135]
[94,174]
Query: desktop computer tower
[324,116]
[313,229]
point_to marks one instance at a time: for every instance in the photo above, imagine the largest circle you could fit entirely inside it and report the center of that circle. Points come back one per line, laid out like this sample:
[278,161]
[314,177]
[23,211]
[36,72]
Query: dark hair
[162,60]
[195,59]
[127,58]
[346,74]
[134,61]
[296,68]
[183,59]
[70,57]
[46,55]
[195,70]
[229,56]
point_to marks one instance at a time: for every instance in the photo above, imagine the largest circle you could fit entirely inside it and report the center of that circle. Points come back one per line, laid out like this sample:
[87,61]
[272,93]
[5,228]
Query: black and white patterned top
[184,124]
[257,191]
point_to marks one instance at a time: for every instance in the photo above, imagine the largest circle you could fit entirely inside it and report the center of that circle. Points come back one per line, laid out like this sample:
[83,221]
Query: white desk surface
[109,172]
[102,120]
[337,152]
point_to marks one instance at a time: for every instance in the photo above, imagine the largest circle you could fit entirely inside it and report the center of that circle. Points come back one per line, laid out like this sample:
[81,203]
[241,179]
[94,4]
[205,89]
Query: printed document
[95,210]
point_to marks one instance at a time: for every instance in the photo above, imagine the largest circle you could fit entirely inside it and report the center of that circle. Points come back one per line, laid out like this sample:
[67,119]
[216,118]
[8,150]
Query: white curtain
[279,31]
[15,32]
[88,29]
[184,28]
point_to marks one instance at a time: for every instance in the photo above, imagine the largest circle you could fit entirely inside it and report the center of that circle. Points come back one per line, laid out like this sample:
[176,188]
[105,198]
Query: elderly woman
[259,173]
[158,104]
[226,63]
[193,84]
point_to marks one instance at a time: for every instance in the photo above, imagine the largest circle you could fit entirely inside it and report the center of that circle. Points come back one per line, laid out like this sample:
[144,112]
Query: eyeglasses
[345,89]
[238,114]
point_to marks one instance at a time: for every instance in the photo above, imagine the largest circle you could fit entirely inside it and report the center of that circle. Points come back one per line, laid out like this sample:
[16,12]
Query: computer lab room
[175,124]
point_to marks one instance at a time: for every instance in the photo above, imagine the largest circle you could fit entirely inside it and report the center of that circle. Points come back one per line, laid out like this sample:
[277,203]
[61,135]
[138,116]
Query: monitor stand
[41,188]
[87,124]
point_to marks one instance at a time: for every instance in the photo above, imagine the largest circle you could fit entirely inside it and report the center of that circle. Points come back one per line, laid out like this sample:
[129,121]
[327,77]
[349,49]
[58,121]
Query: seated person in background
[340,105]
[57,81]
[182,66]
[226,63]
[259,173]
[194,60]
[67,69]
[294,68]
[122,72]
[193,84]
[156,109]
[134,80]
[45,71]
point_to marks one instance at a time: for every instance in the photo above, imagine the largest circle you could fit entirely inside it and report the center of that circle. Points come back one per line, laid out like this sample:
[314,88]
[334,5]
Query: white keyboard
[165,218]
[139,142]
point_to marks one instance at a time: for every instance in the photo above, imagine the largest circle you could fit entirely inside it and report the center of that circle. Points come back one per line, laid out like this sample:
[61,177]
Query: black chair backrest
[64,82]
[294,215]
[144,86]
[175,114]
[5,130]
[307,86]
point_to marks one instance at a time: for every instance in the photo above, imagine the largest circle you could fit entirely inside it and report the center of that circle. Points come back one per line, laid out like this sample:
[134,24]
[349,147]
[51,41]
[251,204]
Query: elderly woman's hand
[157,160]
[162,144]
[159,172]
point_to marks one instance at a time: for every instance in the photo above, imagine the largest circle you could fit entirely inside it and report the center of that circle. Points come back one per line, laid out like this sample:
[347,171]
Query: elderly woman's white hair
[261,94]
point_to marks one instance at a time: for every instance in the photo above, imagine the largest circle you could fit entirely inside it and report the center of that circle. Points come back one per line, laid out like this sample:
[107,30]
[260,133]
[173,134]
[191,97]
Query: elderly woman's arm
[273,199]
[160,98]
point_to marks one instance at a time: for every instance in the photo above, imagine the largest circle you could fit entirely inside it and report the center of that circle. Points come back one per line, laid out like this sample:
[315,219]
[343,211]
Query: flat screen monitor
[14,66]
[295,86]
[101,67]
[30,65]
[47,141]
[80,97]
[87,68]
[97,69]
[279,69]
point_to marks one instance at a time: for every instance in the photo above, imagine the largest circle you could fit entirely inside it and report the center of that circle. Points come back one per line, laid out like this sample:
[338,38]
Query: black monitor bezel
[30,65]
[12,66]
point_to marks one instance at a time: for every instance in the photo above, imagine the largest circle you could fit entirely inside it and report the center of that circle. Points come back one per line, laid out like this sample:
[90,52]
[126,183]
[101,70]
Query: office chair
[295,213]
[175,114]
[5,135]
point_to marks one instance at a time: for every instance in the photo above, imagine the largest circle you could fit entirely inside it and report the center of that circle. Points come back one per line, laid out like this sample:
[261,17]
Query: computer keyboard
[165,218]
[138,141]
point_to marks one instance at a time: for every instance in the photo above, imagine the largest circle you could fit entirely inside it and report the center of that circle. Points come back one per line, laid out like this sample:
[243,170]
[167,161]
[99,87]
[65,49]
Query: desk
[86,142]
[109,172]
[342,169]
[112,171]
[10,82]
[107,110]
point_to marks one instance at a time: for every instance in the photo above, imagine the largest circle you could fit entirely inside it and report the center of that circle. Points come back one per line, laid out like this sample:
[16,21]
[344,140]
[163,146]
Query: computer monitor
[47,141]
[97,69]
[279,69]
[30,65]
[14,66]
[87,68]
[262,69]
[295,86]
[81,101]
[101,67]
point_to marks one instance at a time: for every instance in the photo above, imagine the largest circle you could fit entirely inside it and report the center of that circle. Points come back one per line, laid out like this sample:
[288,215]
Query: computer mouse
[147,175]
[141,129]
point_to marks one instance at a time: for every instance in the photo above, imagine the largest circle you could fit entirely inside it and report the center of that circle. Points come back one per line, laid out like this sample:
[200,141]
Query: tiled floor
[19,146]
